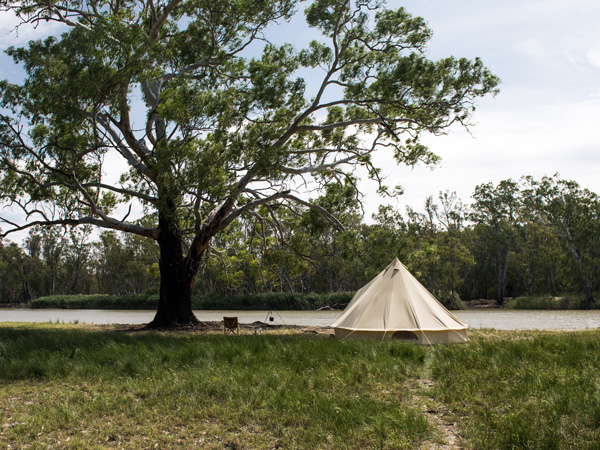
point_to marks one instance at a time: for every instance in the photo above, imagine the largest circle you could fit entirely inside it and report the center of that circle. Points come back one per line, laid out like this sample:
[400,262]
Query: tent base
[416,336]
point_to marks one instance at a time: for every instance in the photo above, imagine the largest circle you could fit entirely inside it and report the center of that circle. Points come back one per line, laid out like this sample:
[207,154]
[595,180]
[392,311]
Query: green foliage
[280,255]
[451,300]
[227,129]
[279,301]
[98,301]
[574,214]
[568,302]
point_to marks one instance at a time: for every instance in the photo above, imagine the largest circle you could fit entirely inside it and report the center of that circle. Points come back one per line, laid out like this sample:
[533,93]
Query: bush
[137,301]
[544,302]
[279,301]
[450,300]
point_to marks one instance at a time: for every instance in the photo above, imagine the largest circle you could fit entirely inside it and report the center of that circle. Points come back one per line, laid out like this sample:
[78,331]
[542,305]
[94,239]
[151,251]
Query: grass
[534,390]
[85,387]
[69,387]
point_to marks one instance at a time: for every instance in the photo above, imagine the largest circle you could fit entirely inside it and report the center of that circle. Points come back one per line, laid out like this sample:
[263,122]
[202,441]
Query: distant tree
[495,211]
[331,253]
[421,231]
[228,125]
[540,261]
[24,267]
[574,213]
[78,277]
[11,273]
[455,255]
[439,257]
[383,241]
[54,247]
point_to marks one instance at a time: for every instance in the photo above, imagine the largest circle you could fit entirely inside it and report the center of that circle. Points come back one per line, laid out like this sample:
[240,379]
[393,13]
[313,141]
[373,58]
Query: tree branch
[322,167]
[114,225]
[159,21]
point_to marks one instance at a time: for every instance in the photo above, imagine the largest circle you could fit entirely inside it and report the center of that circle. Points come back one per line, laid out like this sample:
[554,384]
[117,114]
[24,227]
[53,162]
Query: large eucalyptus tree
[228,124]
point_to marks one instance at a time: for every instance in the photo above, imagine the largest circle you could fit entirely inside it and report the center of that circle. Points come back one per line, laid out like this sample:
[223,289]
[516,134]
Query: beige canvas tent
[394,305]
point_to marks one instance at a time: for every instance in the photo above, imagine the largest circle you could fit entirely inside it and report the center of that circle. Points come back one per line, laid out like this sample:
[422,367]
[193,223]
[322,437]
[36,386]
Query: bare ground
[440,418]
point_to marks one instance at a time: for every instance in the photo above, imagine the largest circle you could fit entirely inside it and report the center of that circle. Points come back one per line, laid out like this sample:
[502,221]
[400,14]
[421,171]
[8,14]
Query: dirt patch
[482,303]
[216,328]
[439,417]
[442,420]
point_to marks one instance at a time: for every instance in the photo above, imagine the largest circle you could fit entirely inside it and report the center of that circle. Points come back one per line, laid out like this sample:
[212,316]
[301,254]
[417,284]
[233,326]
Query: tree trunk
[586,283]
[176,280]
[25,293]
[502,272]
[588,292]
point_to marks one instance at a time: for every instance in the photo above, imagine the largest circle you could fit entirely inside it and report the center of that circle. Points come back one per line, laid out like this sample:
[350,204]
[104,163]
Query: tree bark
[176,280]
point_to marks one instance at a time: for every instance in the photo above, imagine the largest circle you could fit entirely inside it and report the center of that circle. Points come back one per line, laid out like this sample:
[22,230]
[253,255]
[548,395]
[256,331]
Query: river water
[475,318]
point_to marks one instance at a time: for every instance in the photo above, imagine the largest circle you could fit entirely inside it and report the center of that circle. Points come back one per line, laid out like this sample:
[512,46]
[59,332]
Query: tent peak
[396,264]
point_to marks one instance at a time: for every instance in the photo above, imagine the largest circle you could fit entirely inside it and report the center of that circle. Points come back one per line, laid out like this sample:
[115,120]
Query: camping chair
[231,325]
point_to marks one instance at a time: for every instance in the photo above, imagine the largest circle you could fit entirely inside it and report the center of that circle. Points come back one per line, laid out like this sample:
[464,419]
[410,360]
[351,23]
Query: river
[475,318]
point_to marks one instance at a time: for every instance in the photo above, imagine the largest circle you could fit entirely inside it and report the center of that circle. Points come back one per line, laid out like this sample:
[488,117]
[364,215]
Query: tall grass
[546,302]
[99,301]
[68,387]
[280,301]
[76,387]
[534,390]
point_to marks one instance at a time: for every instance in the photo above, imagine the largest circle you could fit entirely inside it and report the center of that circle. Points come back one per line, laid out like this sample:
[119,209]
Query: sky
[546,118]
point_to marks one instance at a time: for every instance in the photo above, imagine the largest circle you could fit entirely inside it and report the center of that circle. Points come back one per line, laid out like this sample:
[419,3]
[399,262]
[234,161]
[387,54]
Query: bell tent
[394,305]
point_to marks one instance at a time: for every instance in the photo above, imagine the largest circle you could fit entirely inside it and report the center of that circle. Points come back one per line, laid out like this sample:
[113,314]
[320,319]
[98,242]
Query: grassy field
[84,387]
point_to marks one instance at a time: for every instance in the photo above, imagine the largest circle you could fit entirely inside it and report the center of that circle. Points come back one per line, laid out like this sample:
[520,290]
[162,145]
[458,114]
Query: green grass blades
[80,387]
[73,387]
[534,390]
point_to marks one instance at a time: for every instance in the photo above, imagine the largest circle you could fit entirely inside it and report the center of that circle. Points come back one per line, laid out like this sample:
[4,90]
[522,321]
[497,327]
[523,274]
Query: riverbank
[118,386]
[496,318]
[277,301]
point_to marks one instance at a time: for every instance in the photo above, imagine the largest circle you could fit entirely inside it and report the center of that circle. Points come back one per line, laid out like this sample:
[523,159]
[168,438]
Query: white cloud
[533,48]
[593,56]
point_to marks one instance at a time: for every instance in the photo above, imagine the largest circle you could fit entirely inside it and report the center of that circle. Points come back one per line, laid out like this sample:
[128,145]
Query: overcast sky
[546,118]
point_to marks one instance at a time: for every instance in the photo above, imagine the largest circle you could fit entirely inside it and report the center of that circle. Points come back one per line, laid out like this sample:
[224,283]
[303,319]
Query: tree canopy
[229,125]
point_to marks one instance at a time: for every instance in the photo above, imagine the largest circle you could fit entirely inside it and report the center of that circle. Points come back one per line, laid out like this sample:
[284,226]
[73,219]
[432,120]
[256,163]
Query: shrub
[279,301]
[544,302]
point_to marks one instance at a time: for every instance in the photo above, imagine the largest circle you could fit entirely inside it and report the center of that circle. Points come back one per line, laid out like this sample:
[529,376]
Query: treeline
[249,302]
[527,237]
